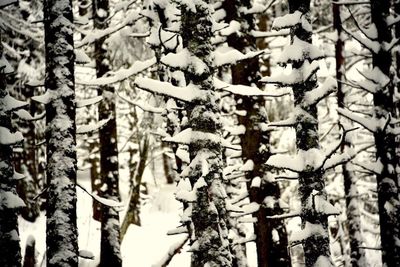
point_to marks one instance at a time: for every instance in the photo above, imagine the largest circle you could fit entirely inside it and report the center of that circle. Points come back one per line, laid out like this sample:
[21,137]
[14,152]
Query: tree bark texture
[388,184]
[10,203]
[61,239]
[311,182]
[209,214]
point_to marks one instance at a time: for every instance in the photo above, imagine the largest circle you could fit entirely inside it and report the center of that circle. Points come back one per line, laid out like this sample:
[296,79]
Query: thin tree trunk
[30,251]
[357,254]
[109,167]
[62,234]
[388,185]
[132,215]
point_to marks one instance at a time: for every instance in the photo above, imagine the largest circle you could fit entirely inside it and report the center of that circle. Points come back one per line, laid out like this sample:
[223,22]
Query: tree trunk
[10,203]
[208,211]
[388,186]
[62,241]
[132,215]
[30,250]
[109,168]
[357,254]
[311,181]
[269,253]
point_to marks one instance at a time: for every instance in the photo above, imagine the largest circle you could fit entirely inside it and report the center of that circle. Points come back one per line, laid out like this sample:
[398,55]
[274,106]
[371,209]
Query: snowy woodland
[200,133]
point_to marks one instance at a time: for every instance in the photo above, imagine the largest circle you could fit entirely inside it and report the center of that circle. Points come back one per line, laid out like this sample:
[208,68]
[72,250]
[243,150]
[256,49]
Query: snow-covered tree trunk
[209,215]
[255,143]
[311,184]
[10,203]
[388,185]
[357,254]
[62,234]
[310,160]
[109,167]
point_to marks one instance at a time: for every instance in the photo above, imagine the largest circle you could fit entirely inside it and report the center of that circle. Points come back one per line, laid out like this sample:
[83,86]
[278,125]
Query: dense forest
[224,133]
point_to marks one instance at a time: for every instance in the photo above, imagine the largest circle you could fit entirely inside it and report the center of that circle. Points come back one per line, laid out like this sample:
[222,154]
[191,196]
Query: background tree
[62,232]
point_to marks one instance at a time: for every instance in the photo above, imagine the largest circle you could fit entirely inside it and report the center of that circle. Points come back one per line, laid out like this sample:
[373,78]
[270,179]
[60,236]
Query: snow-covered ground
[142,246]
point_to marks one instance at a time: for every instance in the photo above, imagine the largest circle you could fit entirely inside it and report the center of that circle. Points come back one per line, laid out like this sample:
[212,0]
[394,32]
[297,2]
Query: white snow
[84,129]
[87,102]
[8,138]
[187,93]
[120,75]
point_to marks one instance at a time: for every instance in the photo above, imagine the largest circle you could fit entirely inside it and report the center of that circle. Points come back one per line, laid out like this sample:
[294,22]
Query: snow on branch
[369,44]
[392,20]
[375,80]
[85,254]
[5,3]
[81,57]
[331,159]
[93,36]
[102,200]
[87,102]
[372,167]
[351,2]
[244,240]
[8,138]
[299,50]
[313,159]
[11,104]
[248,209]
[43,99]
[142,105]
[232,56]
[284,216]
[262,34]
[5,66]
[120,75]
[184,60]
[314,96]
[371,124]
[297,76]
[174,249]
[233,27]
[256,8]
[25,115]
[291,20]
[84,129]
[303,161]
[188,136]
[298,115]
[187,94]
[244,90]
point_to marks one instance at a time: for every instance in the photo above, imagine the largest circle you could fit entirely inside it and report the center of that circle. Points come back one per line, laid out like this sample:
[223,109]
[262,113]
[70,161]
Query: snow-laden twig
[172,251]
[102,200]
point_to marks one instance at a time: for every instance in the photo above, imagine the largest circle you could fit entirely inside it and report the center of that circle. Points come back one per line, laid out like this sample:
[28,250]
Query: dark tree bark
[62,241]
[388,185]
[30,249]
[109,168]
[208,211]
[314,236]
[357,254]
[10,203]
[269,253]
